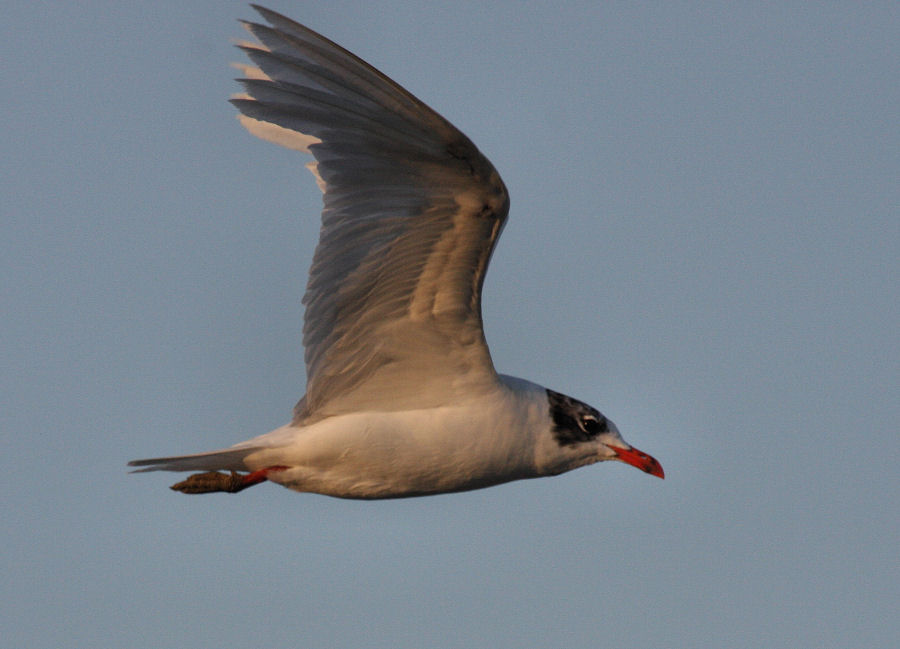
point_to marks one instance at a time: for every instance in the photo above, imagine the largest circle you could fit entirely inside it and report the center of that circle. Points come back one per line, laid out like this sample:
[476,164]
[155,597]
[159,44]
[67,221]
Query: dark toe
[209,482]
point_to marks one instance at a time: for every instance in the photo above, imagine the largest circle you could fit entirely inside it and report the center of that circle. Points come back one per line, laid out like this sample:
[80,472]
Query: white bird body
[455,447]
[402,396]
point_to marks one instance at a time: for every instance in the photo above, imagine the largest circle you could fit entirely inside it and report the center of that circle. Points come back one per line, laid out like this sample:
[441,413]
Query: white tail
[229,459]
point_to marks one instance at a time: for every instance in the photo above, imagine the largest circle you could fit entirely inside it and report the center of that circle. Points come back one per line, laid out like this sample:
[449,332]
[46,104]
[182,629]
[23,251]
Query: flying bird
[402,398]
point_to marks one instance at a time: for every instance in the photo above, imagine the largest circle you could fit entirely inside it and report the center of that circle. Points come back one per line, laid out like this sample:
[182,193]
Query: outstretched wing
[412,211]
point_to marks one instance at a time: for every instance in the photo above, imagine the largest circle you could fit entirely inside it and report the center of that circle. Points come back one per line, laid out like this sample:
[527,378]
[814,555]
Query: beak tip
[653,467]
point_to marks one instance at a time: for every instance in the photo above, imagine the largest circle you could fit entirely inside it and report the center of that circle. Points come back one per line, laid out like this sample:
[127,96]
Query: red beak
[639,459]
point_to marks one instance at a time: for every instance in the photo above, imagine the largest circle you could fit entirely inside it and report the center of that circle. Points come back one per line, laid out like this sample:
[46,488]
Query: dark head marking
[574,421]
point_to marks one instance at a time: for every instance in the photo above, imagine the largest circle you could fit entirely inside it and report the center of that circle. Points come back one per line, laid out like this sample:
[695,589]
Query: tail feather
[230,459]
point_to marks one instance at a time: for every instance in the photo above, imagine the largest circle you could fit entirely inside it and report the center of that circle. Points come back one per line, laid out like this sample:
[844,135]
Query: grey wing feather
[412,211]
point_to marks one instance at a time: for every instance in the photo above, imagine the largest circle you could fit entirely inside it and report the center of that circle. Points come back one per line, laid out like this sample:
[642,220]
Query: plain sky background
[703,243]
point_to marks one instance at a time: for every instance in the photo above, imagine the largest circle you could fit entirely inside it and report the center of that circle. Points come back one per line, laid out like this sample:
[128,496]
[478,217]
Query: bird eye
[593,426]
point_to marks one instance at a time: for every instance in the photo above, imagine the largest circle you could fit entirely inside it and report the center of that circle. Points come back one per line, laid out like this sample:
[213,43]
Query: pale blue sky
[703,244]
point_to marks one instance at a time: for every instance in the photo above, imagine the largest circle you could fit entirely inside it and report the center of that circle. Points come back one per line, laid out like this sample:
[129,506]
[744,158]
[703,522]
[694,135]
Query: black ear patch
[573,420]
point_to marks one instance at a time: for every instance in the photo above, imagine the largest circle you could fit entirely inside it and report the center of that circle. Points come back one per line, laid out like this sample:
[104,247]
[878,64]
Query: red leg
[261,475]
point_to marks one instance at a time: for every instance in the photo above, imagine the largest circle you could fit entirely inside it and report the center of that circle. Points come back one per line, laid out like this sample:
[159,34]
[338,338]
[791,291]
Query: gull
[402,398]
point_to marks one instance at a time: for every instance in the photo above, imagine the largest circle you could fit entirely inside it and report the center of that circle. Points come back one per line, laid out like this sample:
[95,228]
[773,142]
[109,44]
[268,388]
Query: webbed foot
[213,481]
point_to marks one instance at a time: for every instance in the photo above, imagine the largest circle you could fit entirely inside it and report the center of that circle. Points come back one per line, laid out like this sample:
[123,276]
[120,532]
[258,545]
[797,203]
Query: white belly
[485,441]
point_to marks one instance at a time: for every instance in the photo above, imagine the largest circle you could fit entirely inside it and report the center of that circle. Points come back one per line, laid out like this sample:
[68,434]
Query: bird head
[583,431]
